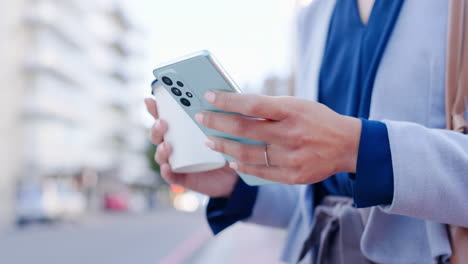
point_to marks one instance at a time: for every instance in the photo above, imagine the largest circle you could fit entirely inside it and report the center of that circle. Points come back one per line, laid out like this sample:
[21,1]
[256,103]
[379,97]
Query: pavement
[241,243]
[114,239]
[165,236]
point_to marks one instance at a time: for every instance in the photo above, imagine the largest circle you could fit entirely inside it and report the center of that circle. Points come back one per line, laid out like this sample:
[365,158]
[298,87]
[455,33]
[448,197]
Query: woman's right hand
[217,183]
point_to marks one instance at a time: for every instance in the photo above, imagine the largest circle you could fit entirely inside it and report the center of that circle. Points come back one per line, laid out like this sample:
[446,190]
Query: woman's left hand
[307,141]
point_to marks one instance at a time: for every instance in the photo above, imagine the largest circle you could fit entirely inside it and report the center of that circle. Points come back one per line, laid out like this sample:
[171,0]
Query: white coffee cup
[189,153]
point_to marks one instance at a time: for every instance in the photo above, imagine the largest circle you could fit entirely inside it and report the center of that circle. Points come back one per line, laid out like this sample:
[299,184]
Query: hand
[216,183]
[307,141]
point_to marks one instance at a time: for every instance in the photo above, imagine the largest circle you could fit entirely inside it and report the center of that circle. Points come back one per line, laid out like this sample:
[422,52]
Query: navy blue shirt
[351,58]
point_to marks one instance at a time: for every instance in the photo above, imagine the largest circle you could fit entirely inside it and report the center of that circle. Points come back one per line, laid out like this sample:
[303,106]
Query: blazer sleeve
[275,205]
[269,205]
[430,170]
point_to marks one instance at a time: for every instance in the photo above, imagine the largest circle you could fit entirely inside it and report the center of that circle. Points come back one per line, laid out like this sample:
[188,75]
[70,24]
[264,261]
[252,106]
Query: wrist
[349,143]
[225,191]
[230,190]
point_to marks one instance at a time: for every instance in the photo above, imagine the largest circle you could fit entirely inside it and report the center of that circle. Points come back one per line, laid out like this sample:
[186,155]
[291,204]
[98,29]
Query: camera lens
[185,102]
[189,94]
[167,80]
[176,91]
[181,84]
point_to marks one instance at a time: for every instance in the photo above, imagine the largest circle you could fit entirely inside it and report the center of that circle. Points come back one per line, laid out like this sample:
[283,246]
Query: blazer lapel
[313,25]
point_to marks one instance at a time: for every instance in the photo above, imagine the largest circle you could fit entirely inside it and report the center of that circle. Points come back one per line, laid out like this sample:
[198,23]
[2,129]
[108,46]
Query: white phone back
[189,153]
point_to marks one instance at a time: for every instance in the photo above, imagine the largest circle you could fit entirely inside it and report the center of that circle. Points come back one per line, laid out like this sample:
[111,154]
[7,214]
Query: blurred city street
[79,182]
[166,236]
[117,239]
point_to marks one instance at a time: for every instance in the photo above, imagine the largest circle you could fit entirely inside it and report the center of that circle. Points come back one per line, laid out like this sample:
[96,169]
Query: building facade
[71,93]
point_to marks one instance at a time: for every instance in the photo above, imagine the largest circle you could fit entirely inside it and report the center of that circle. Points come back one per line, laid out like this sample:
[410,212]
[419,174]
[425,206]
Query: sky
[251,39]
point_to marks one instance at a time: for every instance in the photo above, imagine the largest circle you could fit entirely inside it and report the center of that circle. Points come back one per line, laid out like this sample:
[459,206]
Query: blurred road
[114,239]
[241,243]
[162,237]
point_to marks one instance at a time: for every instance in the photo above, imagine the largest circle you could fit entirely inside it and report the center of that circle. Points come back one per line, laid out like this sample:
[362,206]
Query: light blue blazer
[430,164]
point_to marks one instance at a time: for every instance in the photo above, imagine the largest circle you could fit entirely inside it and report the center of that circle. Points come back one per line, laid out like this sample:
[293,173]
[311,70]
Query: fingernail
[157,124]
[209,143]
[210,97]
[199,117]
[233,165]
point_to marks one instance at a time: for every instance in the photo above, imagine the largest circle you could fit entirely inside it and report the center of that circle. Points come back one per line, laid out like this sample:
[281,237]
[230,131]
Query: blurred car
[47,202]
[116,201]
[71,204]
[30,206]
[138,202]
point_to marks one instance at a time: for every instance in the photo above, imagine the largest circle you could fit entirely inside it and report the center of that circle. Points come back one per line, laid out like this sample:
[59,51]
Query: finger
[251,154]
[162,153]
[157,131]
[170,177]
[275,174]
[253,105]
[241,126]
[151,107]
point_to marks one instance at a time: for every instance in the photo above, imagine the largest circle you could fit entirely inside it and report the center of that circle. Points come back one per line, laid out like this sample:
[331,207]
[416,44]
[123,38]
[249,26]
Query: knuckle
[156,140]
[220,145]
[154,130]
[292,140]
[167,178]
[160,156]
[259,173]
[223,100]
[162,127]
[156,136]
[297,139]
[295,160]
[282,100]
[244,154]
[209,120]
[240,125]
[244,169]
[241,168]
[157,158]
[158,161]
[255,107]
[298,169]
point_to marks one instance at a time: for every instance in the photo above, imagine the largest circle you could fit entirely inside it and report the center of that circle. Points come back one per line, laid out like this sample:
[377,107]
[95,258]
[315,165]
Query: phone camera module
[176,91]
[166,80]
[189,94]
[180,84]
[185,102]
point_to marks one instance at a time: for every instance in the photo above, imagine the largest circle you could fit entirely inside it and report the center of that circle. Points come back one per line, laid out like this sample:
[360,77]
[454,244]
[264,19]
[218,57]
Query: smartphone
[187,79]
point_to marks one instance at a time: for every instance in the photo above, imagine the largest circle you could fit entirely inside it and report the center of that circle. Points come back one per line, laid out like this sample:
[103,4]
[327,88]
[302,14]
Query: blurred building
[278,86]
[71,92]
